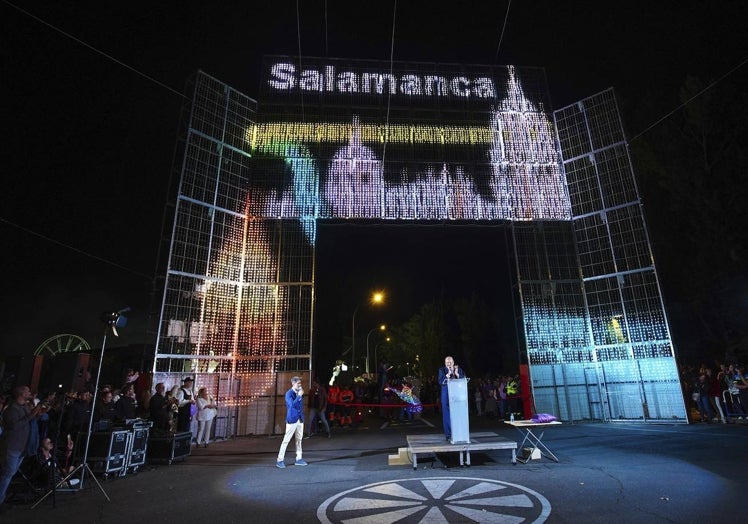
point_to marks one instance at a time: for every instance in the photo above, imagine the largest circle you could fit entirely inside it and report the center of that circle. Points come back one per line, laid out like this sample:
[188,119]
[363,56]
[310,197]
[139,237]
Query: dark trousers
[445,413]
[184,418]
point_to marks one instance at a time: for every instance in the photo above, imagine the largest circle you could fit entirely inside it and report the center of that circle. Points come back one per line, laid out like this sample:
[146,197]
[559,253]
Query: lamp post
[375,352]
[381,328]
[376,298]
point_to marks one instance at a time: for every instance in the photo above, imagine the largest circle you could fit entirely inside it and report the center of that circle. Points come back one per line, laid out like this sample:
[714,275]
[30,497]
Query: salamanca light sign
[284,77]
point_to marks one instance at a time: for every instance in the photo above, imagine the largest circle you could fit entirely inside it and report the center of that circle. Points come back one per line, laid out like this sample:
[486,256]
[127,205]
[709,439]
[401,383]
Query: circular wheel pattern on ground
[435,500]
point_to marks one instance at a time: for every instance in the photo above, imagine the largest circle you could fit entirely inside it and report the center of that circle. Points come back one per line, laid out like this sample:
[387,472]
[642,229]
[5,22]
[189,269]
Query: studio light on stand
[113,320]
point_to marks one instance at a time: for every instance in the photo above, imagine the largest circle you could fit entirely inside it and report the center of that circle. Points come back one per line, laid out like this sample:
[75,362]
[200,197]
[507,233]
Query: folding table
[526,427]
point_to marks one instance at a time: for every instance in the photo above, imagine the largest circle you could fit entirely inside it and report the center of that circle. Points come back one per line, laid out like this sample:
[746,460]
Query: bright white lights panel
[553,307]
[460,143]
[238,293]
[646,317]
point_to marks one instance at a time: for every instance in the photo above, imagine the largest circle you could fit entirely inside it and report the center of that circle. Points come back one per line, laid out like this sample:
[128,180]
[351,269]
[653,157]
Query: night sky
[88,139]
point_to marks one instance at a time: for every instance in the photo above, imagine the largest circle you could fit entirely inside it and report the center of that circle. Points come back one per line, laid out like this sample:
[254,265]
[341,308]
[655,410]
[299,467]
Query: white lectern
[458,410]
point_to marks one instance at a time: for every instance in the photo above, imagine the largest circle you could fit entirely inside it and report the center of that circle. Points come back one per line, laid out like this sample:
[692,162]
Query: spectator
[317,407]
[126,406]
[489,391]
[701,397]
[346,398]
[159,409]
[32,444]
[206,412]
[741,382]
[513,395]
[17,419]
[131,376]
[715,395]
[43,464]
[478,397]
[731,381]
[44,419]
[173,403]
[186,403]
[104,412]
[80,413]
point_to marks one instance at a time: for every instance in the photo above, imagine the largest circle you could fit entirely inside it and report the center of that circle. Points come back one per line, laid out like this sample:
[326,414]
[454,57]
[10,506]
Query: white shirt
[181,400]
[205,413]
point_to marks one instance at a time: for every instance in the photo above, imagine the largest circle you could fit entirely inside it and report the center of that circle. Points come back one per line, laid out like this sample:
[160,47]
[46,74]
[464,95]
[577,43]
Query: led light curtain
[412,141]
[237,304]
[359,139]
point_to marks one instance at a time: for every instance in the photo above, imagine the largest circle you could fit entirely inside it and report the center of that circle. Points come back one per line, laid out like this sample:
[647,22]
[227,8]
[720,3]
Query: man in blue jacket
[449,371]
[294,422]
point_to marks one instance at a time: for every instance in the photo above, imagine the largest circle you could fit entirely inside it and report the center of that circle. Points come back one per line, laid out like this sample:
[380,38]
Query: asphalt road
[622,473]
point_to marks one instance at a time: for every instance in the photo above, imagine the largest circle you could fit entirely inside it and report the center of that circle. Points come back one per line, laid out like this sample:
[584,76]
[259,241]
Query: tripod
[83,467]
[54,439]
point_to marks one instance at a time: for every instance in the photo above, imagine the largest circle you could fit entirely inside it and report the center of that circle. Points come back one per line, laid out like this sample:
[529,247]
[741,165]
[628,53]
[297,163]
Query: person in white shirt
[206,412]
[185,400]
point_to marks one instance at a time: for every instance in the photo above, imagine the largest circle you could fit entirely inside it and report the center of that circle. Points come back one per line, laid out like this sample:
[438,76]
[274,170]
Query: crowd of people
[39,433]
[719,394]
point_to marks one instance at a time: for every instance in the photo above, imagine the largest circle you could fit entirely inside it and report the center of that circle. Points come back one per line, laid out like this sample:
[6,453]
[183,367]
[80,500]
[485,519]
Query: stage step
[401,459]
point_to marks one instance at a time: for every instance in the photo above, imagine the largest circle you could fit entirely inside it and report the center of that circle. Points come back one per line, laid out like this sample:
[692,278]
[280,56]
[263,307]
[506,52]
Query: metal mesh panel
[632,354]
[616,178]
[628,238]
[608,389]
[573,135]
[603,121]
[595,254]
[584,188]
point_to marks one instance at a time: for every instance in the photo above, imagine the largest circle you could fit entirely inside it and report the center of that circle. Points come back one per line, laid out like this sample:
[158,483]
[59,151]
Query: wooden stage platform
[435,443]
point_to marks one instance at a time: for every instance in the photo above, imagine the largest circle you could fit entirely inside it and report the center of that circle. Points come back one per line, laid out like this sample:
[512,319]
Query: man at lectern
[449,371]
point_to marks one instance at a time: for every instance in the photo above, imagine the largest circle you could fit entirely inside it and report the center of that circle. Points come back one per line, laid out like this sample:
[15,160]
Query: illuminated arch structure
[358,139]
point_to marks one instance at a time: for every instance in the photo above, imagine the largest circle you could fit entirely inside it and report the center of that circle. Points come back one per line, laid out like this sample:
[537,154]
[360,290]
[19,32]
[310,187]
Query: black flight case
[168,447]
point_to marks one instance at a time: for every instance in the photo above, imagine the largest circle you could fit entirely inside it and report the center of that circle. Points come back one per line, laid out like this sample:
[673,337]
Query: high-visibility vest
[511,387]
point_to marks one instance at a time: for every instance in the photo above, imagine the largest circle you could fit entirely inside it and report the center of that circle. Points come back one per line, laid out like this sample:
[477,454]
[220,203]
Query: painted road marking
[436,500]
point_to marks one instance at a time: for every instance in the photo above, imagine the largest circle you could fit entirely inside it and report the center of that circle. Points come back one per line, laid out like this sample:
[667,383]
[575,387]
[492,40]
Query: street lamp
[375,299]
[375,352]
[381,328]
